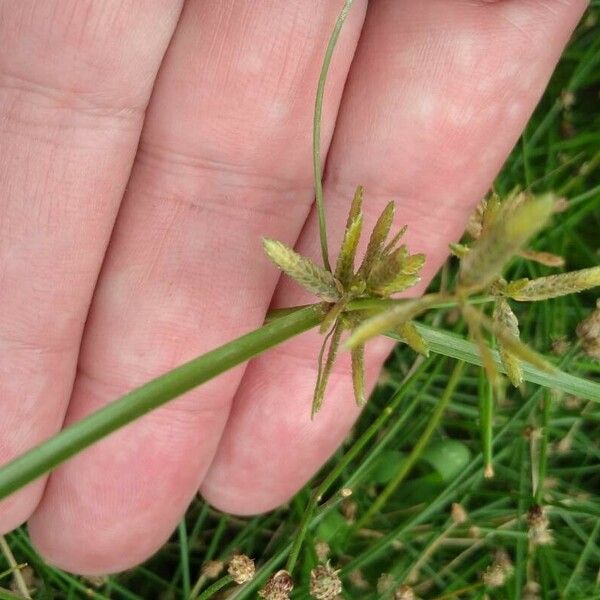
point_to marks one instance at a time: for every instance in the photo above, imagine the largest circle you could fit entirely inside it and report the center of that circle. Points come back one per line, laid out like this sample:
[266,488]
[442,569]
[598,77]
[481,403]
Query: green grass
[412,472]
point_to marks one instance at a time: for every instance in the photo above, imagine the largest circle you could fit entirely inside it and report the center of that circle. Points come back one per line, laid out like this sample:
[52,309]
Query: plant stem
[382,304]
[486,416]
[540,460]
[15,568]
[210,591]
[317,171]
[407,465]
[184,558]
[71,440]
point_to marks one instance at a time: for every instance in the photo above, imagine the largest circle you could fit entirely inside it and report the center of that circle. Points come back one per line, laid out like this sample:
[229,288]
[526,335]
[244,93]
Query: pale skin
[145,148]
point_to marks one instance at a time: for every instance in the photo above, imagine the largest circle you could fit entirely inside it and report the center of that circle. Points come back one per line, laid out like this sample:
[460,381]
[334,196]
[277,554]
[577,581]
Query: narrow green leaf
[304,271]
[449,344]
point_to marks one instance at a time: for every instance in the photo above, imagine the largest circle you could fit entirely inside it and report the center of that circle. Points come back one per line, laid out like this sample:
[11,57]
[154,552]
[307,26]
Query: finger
[437,95]
[224,158]
[75,78]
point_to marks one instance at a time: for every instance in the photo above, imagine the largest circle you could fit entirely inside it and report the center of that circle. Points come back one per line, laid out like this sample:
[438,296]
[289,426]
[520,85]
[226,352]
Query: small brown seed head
[404,592]
[357,579]
[531,591]
[241,568]
[588,332]
[322,550]
[325,583]
[539,532]
[494,576]
[458,513]
[385,583]
[278,587]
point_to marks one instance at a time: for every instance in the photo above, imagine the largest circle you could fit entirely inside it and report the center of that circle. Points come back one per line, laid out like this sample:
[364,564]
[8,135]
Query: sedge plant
[355,299]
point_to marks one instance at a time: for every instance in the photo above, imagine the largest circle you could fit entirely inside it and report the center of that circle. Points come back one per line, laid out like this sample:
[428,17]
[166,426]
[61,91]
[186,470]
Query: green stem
[317,130]
[15,568]
[381,304]
[210,591]
[184,558]
[416,452]
[486,416]
[542,458]
[71,440]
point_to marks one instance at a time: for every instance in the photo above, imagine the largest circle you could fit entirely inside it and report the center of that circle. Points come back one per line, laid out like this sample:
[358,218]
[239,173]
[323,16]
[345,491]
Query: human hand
[119,261]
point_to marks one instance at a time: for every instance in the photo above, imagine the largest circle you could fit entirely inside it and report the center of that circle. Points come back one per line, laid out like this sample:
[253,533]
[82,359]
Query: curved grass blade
[454,346]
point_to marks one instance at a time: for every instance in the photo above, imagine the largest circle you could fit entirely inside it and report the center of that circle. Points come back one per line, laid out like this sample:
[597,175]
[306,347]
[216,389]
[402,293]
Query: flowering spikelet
[385,583]
[588,332]
[377,240]
[212,568]
[344,269]
[506,318]
[322,550]
[532,591]
[499,571]
[304,271]
[404,592]
[325,583]
[519,218]
[458,513]
[539,532]
[553,286]
[543,258]
[385,270]
[494,576]
[241,568]
[278,587]
[395,272]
